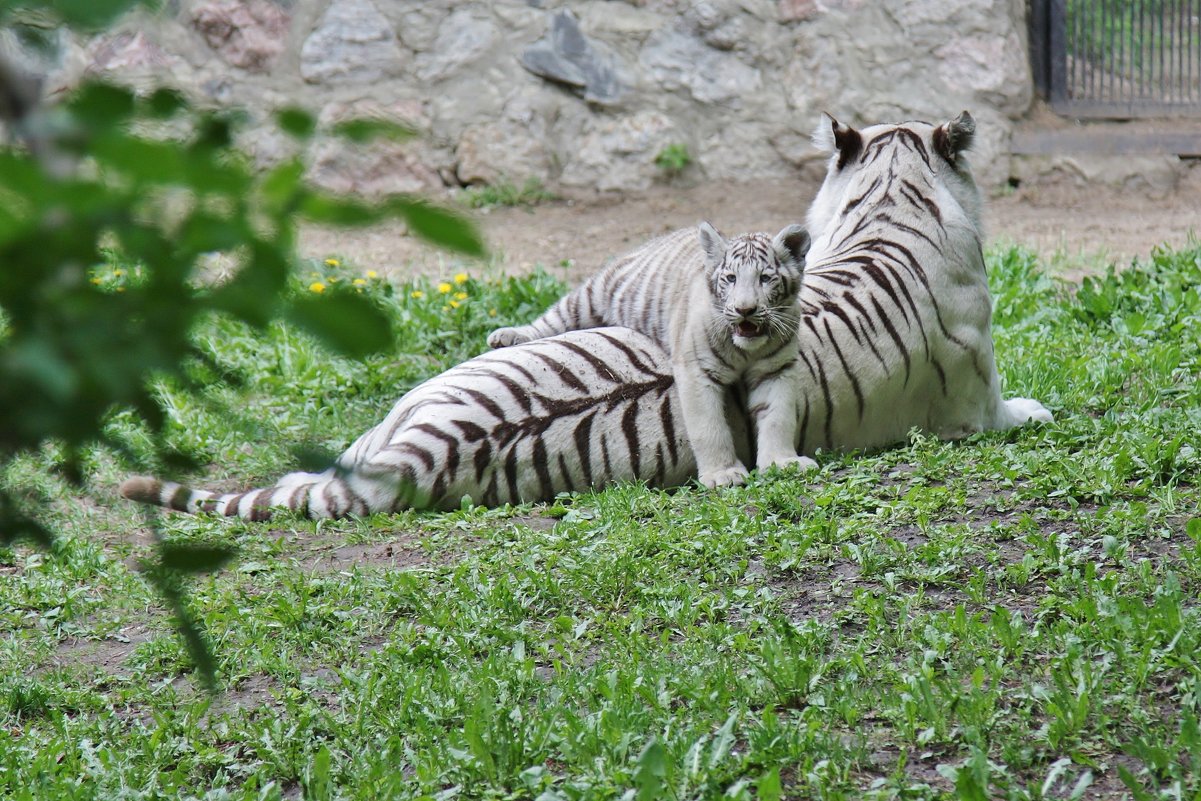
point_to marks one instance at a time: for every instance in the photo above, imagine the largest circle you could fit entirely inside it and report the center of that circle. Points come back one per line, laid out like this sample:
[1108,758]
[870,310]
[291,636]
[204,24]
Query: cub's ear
[831,136]
[712,243]
[954,137]
[792,244]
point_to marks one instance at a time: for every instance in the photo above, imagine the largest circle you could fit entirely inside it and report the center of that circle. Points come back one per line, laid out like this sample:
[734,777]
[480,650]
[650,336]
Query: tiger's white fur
[573,412]
[896,314]
[726,310]
[894,335]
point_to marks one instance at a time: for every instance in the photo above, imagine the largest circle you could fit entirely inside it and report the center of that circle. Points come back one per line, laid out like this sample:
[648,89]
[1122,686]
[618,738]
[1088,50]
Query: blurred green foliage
[110,176]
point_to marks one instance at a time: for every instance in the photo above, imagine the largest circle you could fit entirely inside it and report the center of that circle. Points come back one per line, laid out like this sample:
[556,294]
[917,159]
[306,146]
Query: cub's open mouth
[748,329]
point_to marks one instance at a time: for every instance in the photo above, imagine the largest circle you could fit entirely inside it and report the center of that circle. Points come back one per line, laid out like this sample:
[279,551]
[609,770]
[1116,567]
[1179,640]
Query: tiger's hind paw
[800,464]
[507,337]
[727,477]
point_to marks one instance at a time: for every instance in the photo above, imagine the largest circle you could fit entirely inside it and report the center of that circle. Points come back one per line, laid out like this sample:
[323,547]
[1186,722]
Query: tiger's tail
[334,493]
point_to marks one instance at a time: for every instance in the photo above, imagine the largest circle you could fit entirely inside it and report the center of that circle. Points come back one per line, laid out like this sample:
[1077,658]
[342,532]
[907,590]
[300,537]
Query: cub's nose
[744,311]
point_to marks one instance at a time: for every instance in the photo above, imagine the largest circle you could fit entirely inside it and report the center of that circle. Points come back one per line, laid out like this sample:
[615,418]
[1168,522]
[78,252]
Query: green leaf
[101,106]
[440,226]
[165,103]
[144,160]
[768,787]
[650,774]
[336,211]
[252,294]
[296,122]
[1193,529]
[367,129]
[194,557]
[93,13]
[282,184]
[350,324]
[15,527]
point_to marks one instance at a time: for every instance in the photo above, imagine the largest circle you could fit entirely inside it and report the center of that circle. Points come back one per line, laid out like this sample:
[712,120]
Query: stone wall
[580,94]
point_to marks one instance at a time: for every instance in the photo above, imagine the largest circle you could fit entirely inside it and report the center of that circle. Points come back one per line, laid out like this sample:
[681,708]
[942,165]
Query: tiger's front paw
[506,337]
[726,477]
[801,464]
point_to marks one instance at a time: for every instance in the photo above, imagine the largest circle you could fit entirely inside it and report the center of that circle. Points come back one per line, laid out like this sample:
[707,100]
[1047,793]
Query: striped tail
[334,493]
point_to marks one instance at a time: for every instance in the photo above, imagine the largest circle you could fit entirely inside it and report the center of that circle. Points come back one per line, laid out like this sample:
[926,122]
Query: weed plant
[504,192]
[1011,616]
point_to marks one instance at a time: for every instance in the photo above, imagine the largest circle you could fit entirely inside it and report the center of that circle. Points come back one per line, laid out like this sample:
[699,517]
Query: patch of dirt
[1048,215]
[107,654]
[403,552]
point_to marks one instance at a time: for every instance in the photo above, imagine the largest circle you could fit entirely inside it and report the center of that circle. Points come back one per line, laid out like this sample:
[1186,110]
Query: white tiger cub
[735,321]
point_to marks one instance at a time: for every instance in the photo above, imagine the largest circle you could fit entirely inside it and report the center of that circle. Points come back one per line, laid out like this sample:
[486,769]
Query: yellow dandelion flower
[317,287]
[359,281]
[120,289]
[118,273]
[417,293]
[460,296]
[372,274]
[332,263]
[444,287]
[461,278]
[333,279]
[454,304]
[491,312]
[96,281]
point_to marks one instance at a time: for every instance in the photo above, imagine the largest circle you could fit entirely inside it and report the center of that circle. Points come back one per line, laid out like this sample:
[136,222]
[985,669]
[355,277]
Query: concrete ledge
[1106,141]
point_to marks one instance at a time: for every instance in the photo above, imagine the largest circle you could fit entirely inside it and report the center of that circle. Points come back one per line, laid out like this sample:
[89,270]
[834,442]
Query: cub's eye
[728,278]
[765,278]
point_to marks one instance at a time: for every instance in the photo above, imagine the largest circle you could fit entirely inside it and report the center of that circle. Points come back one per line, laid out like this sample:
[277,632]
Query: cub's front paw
[506,337]
[726,477]
[801,464]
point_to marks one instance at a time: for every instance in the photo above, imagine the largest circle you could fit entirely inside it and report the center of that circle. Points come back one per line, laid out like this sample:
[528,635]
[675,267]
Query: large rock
[353,43]
[566,56]
[249,35]
[128,51]
[375,170]
[517,146]
[619,154]
[677,60]
[462,39]
[993,66]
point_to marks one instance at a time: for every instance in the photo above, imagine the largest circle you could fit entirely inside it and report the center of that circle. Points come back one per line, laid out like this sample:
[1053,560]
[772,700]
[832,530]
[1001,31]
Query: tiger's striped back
[568,413]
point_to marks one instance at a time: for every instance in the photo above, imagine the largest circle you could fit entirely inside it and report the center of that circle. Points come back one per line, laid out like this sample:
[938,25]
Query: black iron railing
[1118,58]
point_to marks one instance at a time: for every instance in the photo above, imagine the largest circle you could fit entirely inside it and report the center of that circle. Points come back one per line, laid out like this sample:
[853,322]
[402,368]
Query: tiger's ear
[954,137]
[792,244]
[712,243]
[831,136]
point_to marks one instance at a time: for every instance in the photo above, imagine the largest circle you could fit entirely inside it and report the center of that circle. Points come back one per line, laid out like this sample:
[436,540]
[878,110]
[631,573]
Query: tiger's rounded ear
[831,136]
[792,244]
[954,137]
[712,243]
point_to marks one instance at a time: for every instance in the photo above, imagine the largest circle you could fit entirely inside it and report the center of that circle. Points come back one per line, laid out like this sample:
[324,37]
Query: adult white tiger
[896,314]
[894,335]
[726,311]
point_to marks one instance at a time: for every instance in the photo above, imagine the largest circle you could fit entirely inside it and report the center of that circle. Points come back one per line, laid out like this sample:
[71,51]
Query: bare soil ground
[1099,223]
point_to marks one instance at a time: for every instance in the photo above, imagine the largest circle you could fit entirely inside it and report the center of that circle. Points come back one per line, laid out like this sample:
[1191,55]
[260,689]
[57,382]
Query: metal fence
[1118,58]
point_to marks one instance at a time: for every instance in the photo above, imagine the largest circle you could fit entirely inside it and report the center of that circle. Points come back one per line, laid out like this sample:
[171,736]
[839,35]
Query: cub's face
[754,280]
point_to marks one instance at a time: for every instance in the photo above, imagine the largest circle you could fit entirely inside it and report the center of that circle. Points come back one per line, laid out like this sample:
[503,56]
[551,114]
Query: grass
[506,193]
[1011,616]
